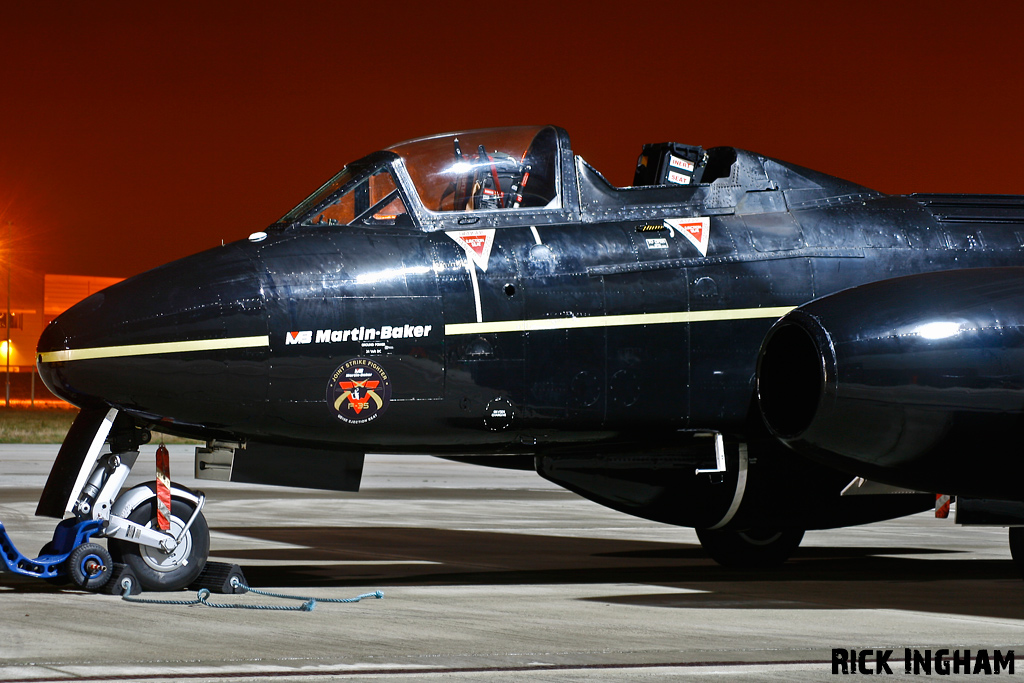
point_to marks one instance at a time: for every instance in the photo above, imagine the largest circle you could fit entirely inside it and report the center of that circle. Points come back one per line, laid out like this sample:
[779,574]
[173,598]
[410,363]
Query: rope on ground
[202,598]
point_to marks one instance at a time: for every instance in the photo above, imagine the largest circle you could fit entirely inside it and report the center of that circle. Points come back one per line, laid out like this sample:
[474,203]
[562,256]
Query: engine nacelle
[916,381]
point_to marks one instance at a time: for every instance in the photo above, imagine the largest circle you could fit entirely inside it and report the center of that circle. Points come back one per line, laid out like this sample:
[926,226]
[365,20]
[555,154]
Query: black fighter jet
[734,344]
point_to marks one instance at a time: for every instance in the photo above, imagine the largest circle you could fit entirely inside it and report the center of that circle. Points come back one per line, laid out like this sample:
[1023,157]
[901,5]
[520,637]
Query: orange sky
[136,133]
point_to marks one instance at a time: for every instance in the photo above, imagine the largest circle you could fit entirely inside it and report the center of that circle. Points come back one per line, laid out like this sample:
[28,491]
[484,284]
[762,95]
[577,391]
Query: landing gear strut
[86,480]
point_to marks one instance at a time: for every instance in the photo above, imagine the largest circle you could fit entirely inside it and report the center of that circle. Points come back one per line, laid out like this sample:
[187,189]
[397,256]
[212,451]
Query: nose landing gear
[86,482]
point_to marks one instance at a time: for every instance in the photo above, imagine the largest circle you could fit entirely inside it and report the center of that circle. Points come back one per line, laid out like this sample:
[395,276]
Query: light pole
[7,354]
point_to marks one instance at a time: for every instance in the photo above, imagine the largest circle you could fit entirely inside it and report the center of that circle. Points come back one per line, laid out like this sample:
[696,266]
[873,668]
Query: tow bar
[70,554]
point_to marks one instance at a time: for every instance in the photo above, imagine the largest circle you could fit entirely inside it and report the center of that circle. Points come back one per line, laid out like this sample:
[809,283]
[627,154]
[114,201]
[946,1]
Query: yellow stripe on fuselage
[615,320]
[452,330]
[152,349]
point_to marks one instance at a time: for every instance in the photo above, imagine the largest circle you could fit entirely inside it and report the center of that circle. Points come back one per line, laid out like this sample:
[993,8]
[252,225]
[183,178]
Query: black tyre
[160,571]
[1017,547]
[89,566]
[750,549]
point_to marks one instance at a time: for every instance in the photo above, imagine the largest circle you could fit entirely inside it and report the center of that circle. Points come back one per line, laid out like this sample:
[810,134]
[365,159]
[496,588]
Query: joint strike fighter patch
[359,391]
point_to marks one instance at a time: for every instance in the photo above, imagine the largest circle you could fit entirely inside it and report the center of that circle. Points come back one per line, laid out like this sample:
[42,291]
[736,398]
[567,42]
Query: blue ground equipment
[69,555]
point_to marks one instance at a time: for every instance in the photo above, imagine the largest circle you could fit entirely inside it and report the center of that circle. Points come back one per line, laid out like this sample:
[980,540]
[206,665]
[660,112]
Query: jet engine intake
[915,381]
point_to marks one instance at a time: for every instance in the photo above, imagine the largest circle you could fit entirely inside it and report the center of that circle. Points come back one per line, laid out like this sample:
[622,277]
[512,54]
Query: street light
[7,345]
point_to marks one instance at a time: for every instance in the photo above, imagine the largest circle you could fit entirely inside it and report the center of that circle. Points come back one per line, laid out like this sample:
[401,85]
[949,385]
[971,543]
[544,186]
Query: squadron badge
[359,391]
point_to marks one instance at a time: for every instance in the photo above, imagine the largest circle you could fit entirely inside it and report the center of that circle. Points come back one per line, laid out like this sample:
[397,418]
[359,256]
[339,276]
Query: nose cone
[54,343]
[173,342]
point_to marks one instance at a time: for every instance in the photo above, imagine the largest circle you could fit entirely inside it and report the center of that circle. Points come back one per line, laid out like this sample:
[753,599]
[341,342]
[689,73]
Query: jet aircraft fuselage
[490,296]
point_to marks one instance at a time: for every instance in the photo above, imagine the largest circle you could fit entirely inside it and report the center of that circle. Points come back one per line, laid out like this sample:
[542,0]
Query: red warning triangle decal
[697,230]
[477,244]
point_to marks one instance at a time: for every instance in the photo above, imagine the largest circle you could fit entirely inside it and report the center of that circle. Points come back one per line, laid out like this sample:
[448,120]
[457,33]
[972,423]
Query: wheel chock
[122,581]
[216,577]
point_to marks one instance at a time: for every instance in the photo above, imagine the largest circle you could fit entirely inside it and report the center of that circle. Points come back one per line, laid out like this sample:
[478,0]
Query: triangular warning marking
[697,230]
[476,243]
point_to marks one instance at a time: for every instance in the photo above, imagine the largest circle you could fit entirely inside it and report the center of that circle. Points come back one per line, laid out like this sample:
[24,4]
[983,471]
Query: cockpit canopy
[481,170]
[499,168]
[528,175]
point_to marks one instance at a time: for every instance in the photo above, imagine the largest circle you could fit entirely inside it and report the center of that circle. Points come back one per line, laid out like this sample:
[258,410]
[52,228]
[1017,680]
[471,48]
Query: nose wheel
[166,571]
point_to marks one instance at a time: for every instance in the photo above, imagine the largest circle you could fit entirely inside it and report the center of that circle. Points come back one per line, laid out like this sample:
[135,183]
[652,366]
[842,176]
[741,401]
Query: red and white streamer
[163,488]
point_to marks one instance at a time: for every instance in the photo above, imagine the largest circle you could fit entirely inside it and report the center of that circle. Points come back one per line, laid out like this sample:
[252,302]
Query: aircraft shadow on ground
[816,578]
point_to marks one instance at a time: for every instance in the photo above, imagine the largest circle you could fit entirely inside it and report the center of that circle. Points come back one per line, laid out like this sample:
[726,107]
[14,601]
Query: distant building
[35,300]
[61,292]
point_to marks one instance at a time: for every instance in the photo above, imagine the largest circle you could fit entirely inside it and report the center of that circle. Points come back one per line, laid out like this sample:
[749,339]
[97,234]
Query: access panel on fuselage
[479,282]
[756,270]
[599,352]
[566,374]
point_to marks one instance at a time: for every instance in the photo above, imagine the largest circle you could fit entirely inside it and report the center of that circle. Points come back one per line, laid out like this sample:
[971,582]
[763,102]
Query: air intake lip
[794,363]
[899,380]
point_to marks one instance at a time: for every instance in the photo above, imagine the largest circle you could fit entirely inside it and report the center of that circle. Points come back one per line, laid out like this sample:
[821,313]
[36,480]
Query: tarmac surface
[495,575]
